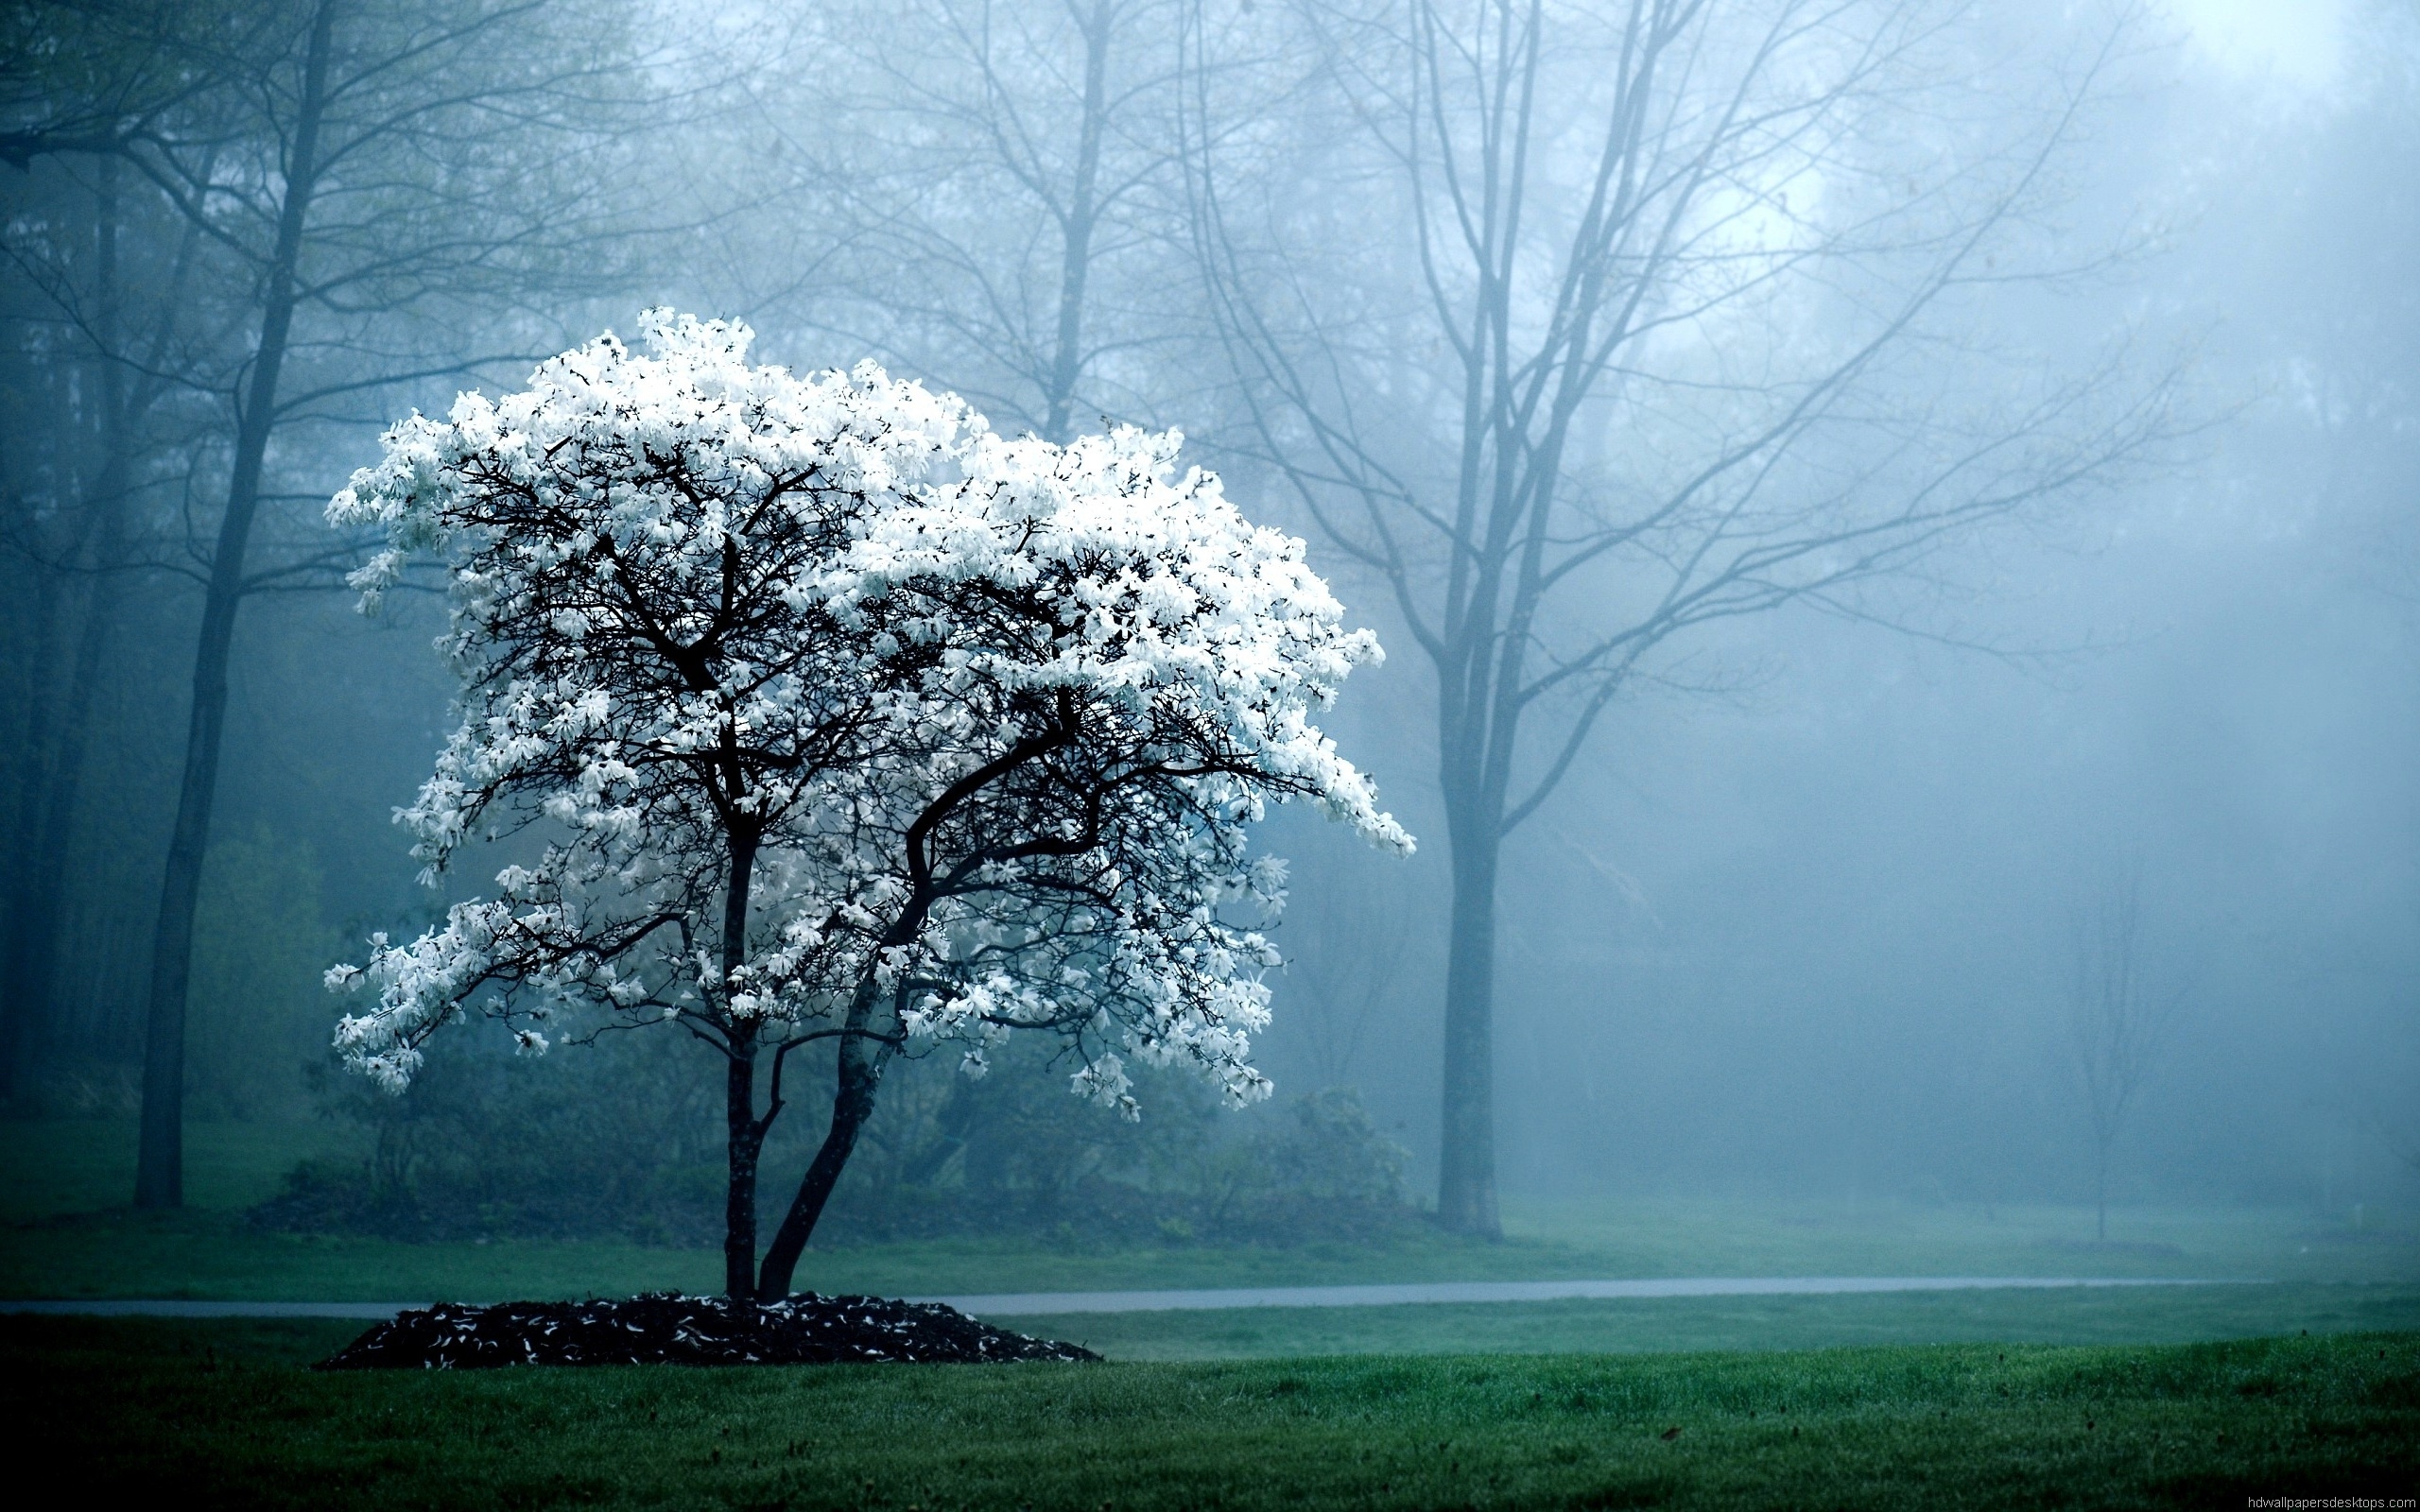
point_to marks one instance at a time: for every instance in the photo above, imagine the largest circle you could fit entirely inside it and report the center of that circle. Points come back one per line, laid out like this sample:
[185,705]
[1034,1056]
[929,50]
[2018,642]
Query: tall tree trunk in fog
[1076,224]
[36,744]
[1552,202]
[160,1162]
[43,876]
[2118,1025]
[1466,1149]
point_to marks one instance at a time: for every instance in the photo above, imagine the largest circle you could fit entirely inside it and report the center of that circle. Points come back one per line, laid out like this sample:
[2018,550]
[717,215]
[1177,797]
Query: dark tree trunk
[1466,1152]
[744,1143]
[159,1179]
[861,1059]
[45,870]
[745,1131]
[1477,726]
[20,1032]
[47,865]
[46,862]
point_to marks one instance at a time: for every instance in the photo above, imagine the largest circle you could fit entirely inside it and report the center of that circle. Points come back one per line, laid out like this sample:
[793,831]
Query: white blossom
[981,722]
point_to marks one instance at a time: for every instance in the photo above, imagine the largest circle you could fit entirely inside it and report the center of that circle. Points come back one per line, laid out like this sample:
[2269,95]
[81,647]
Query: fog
[1812,912]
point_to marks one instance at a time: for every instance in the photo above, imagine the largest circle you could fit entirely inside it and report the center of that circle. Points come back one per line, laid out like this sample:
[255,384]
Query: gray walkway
[1028,1303]
[1033,1304]
[177,1307]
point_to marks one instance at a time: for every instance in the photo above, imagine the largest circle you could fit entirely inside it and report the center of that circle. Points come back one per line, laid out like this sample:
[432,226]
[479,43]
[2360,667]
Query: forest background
[1804,916]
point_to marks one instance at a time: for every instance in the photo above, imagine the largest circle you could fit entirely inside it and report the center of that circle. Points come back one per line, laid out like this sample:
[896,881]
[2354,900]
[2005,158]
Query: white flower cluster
[971,727]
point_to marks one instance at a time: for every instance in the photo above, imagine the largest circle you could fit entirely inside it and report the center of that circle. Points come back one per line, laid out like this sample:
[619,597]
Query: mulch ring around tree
[666,1327]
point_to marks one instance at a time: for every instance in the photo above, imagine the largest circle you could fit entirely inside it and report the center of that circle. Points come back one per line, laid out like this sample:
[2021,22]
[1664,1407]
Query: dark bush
[618,1140]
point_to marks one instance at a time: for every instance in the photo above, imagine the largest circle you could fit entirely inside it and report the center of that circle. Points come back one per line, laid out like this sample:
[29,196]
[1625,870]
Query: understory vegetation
[616,1140]
[155,1408]
[64,1233]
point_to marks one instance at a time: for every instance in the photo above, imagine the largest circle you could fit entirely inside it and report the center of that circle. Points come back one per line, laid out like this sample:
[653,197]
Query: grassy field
[67,1235]
[1952,1399]
[219,1415]
[2164,1315]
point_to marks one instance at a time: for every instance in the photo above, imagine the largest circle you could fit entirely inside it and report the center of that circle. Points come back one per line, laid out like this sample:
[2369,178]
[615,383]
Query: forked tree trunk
[861,1059]
[158,1178]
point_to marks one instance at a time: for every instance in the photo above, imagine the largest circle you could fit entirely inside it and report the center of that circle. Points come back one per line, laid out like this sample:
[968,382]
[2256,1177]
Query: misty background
[1806,916]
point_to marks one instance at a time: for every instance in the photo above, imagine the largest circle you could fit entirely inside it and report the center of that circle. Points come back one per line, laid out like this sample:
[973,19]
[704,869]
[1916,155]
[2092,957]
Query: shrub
[488,1145]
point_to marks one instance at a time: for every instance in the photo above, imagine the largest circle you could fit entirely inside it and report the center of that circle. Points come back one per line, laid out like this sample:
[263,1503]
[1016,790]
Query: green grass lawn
[65,1232]
[1648,1325]
[1703,1237]
[1419,1406]
[220,1415]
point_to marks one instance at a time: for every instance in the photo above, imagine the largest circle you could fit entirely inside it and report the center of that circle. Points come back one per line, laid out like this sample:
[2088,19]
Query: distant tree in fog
[116,344]
[1586,328]
[2345,322]
[358,175]
[2118,1023]
[988,192]
[826,714]
[1006,176]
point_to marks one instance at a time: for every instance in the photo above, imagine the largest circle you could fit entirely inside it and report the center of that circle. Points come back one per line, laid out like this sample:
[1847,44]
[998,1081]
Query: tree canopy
[828,714]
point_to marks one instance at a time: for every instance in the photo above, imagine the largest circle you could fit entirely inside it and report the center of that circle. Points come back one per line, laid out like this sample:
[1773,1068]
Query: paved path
[1024,1304]
[1032,1304]
[177,1307]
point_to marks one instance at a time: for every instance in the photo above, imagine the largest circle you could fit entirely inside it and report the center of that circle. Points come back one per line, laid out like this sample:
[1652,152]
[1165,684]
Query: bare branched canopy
[1636,351]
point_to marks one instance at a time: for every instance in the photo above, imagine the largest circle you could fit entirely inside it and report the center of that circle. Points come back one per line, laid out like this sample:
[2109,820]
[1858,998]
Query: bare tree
[2116,1024]
[111,290]
[995,190]
[369,181]
[1585,328]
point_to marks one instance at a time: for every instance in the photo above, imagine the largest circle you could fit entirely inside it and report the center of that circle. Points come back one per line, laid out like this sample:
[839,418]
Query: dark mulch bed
[666,1327]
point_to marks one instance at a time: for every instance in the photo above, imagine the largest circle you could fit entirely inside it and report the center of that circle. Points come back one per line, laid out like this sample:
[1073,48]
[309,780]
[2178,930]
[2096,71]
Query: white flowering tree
[819,712]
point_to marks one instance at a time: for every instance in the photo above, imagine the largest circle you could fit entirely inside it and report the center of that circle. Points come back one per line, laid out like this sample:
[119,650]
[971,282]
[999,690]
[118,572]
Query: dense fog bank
[1828,896]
